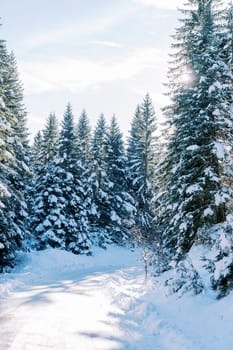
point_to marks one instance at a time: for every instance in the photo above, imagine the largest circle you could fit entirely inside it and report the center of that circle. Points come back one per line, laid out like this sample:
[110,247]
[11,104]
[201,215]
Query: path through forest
[56,300]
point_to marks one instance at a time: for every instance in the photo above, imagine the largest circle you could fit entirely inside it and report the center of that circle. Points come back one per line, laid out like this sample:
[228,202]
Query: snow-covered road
[63,302]
[56,300]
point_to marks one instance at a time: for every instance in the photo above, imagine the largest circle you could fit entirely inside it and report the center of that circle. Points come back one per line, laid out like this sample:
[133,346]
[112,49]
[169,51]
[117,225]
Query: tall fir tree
[14,169]
[84,136]
[121,208]
[220,262]
[99,184]
[35,151]
[77,237]
[141,166]
[194,196]
[48,147]
[44,152]
[226,44]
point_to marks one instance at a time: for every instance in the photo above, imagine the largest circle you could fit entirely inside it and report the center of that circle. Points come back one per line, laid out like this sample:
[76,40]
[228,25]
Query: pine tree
[21,178]
[35,158]
[13,160]
[99,184]
[84,136]
[121,205]
[220,261]
[141,166]
[193,195]
[7,247]
[44,152]
[50,139]
[70,162]
[226,37]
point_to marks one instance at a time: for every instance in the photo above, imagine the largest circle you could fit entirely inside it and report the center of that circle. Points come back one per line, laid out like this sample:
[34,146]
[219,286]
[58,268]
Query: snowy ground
[55,300]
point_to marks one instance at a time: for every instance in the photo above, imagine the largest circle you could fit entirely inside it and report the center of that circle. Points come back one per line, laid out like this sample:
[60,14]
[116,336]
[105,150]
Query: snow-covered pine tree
[48,147]
[13,160]
[226,37]
[84,139]
[72,173]
[20,180]
[141,165]
[43,153]
[99,184]
[35,151]
[84,136]
[220,259]
[225,43]
[7,247]
[121,204]
[194,196]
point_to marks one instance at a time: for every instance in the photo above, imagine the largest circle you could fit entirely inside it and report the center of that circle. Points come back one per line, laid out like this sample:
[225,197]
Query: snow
[193,148]
[46,223]
[211,174]
[220,198]
[225,244]
[2,103]
[221,267]
[193,188]
[57,300]
[219,150]
[8,155]
[215,86]
[69,176]
[175,169]
[183,226]
[208,212]
[217,112]
[52,199]
[4,191]
[115,217]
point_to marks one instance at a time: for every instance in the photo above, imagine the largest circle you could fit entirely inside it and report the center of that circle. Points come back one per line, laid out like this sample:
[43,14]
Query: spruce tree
[220,259]
[14,169]
[84,136]
[70,162]
[48,147]
[35,158]
[226,37]
[44,152]
[121,204]
[141,166]
[99,184]
[194,196]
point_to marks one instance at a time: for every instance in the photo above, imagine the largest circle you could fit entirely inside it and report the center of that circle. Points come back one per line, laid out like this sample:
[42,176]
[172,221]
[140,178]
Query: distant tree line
[85,188]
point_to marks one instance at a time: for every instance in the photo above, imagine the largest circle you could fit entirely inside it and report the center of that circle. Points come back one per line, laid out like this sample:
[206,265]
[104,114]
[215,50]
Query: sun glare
[187,76]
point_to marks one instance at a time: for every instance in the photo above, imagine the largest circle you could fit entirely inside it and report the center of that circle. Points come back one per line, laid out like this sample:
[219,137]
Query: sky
[100,55]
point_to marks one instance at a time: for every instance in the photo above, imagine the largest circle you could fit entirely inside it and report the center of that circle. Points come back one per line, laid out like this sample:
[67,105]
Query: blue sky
[101,55]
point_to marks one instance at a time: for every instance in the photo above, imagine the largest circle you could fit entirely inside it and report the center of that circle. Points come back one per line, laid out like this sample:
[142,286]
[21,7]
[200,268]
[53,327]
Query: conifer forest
[166,188]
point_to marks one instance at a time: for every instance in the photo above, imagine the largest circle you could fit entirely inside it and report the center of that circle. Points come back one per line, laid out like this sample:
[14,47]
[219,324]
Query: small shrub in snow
[220,261]
[185,279]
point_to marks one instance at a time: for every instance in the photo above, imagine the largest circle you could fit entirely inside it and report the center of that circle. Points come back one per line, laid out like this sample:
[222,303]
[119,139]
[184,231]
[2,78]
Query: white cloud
[165,4]
[70,31]
[77,74]
[106,43]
